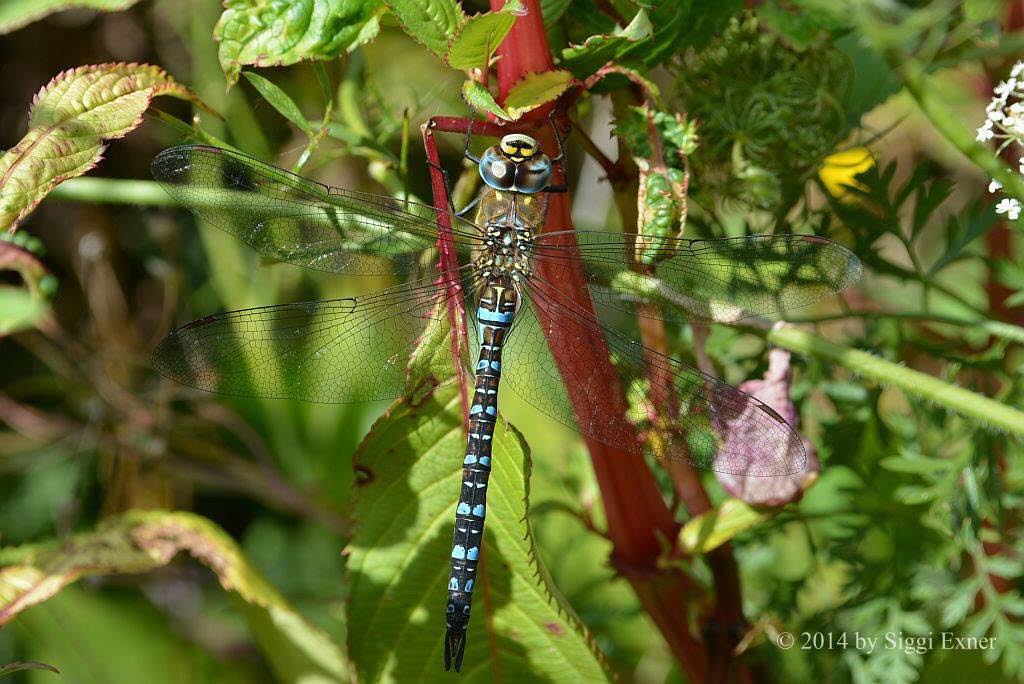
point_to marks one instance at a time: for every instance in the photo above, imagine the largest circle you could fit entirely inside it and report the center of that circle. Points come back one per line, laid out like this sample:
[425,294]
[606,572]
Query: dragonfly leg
[559,140]
[466,209]
[448,191]
[560,157]
[469,139]
[447,184]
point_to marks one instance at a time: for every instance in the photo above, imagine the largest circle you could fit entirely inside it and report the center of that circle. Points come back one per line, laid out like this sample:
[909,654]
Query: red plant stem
[639,522]
[449,264]
[525,50]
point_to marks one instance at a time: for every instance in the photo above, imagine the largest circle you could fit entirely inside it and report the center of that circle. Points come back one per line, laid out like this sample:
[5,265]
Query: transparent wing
[683,414]
[721,280]
[332,351]
[290,218]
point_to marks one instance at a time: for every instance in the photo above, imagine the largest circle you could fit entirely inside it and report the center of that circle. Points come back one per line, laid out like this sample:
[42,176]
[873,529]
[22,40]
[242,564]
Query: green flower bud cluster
[768,113]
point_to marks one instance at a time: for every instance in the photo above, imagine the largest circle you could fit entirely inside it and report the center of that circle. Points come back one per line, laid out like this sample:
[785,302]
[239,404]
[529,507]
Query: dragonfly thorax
[506,250]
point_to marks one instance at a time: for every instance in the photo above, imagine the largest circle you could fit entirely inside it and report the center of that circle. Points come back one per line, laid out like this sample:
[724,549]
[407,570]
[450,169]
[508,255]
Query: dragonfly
[357,349]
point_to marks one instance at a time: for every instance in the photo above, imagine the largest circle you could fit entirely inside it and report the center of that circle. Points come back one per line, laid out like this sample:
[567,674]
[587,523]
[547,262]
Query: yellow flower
[838,170]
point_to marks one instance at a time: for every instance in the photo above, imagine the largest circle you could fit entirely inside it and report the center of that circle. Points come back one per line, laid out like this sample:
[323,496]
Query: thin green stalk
[914,382]
[1006,331]
[323,78]
[112,191]
[187,131]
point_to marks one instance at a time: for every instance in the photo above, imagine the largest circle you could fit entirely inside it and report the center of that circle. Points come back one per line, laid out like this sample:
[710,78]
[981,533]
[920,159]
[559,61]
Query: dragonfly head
[516,164]
[518,147]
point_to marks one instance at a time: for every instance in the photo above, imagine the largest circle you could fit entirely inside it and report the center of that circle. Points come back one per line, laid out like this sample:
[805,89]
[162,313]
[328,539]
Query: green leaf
[279,100]
[824,589]
[11,668]
[480,99]
[1014,300]
[803,26]
[552,10]
[19,310]
[17,13]
[874,80]
[680,25]
[265,33]
[430,22]
[961,231]
[140,541]
[983,10]
[956,605]
[480,36]
[713,528]
[87,632]
[399,559]
[596,51]
[69,120]
[533,90]
[22,307]
[1010,274]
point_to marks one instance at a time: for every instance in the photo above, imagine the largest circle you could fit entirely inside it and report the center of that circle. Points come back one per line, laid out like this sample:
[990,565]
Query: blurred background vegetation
[913,525]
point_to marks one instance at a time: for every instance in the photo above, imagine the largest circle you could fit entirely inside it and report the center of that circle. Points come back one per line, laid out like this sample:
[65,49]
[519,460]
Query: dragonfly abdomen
[496,309]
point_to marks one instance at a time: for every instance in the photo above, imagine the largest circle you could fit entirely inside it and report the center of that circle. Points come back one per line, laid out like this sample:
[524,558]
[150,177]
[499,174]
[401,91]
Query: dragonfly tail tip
[454,647]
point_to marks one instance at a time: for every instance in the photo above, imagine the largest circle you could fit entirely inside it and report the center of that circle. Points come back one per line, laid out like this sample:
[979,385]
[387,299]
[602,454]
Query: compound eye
[497,171]
[533,176]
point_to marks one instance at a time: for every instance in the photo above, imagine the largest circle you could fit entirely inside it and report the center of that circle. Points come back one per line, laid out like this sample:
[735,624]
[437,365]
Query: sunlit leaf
[17,13]
[69,121]
[140,541]
[710,530]
[480,99]
[399,559]
[533,90]
[430,22]
[480,36]
[265,33]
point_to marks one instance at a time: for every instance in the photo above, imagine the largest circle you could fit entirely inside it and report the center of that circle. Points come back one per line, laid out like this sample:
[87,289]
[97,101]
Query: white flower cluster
[1005,122]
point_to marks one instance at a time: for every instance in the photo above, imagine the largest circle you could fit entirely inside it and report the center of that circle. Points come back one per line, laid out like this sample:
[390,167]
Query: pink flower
[773,390]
